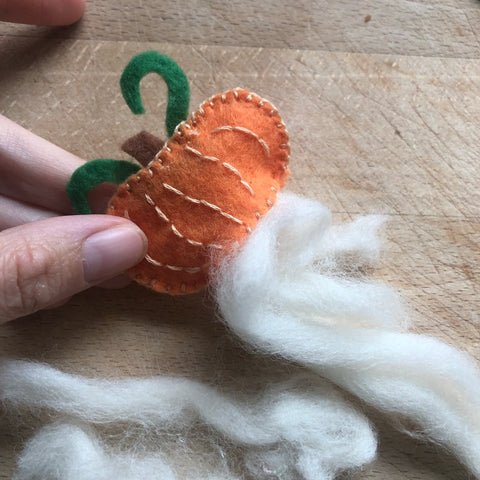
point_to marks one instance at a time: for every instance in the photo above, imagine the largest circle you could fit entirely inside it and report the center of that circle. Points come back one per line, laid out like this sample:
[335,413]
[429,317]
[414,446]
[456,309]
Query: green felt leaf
[92,174]
[174,76]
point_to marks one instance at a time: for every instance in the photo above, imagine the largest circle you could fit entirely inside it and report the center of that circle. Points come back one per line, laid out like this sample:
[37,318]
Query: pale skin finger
[44,262]
[42,12]
[36,172]
[14,213]
[21,153]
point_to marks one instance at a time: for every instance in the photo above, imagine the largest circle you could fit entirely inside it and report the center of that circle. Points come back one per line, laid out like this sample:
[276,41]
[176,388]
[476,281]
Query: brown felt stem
[143,147]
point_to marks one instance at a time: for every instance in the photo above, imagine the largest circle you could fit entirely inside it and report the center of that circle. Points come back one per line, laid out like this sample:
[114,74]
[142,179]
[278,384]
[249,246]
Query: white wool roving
[68,452]
[317,432]
[296,290]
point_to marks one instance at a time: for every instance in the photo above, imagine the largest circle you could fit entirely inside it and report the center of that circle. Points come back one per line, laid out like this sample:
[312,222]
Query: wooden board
[383,116]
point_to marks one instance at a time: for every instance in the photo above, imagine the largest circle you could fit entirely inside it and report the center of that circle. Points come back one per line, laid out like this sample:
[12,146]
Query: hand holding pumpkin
[46,255]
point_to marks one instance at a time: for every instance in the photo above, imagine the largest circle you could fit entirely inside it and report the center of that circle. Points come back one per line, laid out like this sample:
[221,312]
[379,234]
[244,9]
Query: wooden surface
[383,115]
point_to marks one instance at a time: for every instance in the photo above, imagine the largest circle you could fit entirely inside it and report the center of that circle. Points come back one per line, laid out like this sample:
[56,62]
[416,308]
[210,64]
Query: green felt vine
[174,76]
[92,174]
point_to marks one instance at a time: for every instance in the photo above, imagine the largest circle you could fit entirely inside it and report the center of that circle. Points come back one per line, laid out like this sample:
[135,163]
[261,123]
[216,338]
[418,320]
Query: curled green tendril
[174,76]
[92,174]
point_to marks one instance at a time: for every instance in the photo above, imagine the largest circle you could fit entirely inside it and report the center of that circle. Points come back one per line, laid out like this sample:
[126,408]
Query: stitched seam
[262,103]
[229,167]
[230,128]
[175,230]
[174,268]
[198,201]
[239,175]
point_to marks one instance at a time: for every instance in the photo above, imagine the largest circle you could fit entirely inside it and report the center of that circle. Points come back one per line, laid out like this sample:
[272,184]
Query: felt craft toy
[295,288]
[205,190]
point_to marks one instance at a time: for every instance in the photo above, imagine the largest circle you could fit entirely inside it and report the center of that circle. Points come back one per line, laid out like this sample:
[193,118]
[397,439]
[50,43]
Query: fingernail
[112,251]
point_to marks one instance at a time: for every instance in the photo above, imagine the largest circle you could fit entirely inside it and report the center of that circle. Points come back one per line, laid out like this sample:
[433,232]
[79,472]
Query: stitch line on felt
[262,102]
[149,199]
[161,214]
[197,201]
[239,175]
[175,230]
[188,148]
[174,268]
[193,242]
[229,167]
[231,128]
[223,98]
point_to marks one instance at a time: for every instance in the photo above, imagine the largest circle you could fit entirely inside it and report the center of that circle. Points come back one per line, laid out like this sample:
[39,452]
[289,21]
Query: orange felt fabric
[206,189]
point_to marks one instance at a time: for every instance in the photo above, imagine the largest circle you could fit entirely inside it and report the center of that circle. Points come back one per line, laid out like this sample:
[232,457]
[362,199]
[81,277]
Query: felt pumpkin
[205,190]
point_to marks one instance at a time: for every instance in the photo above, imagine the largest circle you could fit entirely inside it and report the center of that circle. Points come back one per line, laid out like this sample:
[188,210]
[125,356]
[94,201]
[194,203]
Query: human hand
[45,257]
[42,12]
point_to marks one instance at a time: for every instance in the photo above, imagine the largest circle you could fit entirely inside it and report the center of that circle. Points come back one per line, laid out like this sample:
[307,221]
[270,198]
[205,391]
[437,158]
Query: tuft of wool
[302,426]
[69,452]
[290,292]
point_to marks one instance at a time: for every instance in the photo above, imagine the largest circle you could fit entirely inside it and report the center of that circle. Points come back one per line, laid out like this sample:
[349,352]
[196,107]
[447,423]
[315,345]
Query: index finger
[42,12]
[35,171]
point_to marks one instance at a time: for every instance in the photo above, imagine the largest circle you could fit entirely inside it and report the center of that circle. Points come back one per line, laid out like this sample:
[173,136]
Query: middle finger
[14,213]
[35,171]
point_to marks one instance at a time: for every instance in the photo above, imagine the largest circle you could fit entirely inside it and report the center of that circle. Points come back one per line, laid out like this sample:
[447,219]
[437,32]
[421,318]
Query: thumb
[43,262]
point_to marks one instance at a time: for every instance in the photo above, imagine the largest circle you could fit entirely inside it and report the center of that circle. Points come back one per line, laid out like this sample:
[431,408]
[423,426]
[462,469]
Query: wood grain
[383,116]
[445,28]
